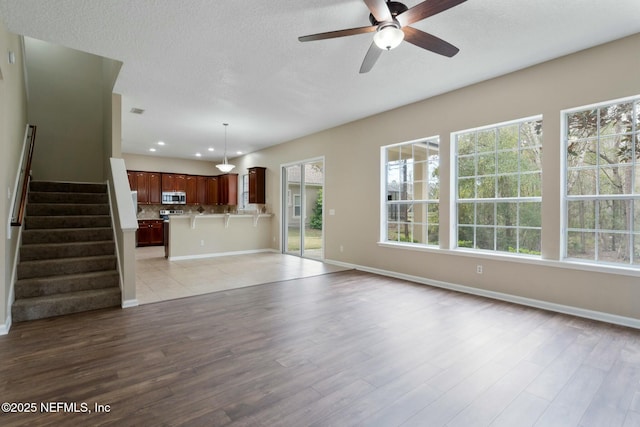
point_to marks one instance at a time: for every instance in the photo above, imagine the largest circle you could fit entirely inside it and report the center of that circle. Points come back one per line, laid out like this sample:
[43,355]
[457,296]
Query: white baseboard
[129,303]
[219,254]
[544,305]
[4,328]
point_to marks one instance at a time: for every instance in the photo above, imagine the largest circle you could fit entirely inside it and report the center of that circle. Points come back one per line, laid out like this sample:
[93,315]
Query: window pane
[419,233]
[531,214]
[487,164]
[636,215]
[582,153]
[393,154]
[614,214]
[530,241]
[485,238]
[507,239]
[466,188]
[613,247]
[433,234]
[485,213]
[486,141]
[433,213]
[392,232]
[507,162]
[581,244]
[393,213]
[615,150]
[405,232]
[507,214]
[466,144]
[615,180]
[508,137]
[486,187]
[531,134]
[616,118]
[636,248]
[508,186]
[530,160]
[420,190]
[466,213]
[581,214]
[581,181]
[582,124]
[465,237]
[420,152]
[531,184]
[466,166]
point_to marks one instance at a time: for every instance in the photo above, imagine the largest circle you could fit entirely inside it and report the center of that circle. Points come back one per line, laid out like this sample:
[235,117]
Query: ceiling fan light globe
[388,37]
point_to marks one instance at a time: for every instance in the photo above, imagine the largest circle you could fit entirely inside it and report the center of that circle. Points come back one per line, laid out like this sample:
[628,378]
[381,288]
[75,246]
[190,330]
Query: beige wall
[13,120]
[169,165]
[70,102]
[352,179]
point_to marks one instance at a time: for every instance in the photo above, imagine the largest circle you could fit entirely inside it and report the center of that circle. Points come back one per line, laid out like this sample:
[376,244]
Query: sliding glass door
[302,209]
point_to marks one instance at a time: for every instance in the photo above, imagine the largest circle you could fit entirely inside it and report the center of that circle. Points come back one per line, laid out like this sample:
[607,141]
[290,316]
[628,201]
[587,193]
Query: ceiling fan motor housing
[395,7]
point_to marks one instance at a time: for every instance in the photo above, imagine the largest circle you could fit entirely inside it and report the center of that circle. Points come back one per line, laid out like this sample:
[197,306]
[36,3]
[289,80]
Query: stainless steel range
[164,213]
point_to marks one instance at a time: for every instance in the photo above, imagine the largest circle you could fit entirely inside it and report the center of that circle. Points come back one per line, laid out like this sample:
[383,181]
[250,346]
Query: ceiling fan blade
[370,58]
[426,9]
[429,42]
[379,10]
[339,33]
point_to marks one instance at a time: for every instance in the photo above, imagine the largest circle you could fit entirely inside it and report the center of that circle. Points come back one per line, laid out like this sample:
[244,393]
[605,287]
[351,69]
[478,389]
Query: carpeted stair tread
[67,187]
[57,209]
[67,303]
[55,197]
[57,267]
[66,250]
[41,286]
[61,235]
[70,221]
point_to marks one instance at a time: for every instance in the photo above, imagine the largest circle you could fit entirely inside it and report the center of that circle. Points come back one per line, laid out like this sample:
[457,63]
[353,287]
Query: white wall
[13,119]
[352,179]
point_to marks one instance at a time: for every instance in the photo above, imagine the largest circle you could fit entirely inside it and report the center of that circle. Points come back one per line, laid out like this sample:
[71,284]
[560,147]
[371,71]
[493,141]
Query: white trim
[4,328]
[572,264]
[219,254]
[544,305]
[128,303]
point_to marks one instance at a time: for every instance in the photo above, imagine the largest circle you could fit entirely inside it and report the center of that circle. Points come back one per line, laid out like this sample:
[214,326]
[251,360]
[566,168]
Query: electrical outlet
[201,242]
[479,268]
[341,248]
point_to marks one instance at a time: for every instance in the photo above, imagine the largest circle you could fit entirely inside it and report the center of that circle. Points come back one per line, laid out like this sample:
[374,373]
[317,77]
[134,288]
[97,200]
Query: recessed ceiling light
[210,148]
[152,149]
[239,152]
[198,155]
[160,142]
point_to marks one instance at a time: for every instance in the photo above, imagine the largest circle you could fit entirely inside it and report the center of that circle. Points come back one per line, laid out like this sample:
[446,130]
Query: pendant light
[225,166]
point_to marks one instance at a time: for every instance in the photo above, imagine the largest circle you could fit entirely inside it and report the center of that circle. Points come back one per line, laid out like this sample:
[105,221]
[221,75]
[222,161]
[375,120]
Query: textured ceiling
[194,64]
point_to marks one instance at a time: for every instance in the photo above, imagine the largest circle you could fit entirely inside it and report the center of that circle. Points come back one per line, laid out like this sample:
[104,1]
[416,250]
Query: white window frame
[455,201]
[566,198]
[384,225]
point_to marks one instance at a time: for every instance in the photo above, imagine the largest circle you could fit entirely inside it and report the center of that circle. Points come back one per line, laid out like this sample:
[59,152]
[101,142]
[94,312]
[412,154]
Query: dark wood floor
[340,349]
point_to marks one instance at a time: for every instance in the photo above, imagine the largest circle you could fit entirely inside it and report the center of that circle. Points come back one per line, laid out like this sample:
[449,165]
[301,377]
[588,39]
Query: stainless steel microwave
[174,198]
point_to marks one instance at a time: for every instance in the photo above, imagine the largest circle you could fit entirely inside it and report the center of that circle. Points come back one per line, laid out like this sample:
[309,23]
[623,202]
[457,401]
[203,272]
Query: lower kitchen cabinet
[150,232]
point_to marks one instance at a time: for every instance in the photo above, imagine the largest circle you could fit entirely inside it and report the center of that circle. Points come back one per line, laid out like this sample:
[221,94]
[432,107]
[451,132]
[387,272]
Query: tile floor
[158,279]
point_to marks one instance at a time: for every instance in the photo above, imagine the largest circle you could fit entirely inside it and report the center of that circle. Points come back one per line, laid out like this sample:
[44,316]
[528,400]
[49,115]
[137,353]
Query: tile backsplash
[153,211]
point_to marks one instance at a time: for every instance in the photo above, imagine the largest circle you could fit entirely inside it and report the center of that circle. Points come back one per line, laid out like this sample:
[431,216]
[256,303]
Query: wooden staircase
[67,257]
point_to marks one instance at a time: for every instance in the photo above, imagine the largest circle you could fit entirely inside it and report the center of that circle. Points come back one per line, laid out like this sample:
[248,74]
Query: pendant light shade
[225,166]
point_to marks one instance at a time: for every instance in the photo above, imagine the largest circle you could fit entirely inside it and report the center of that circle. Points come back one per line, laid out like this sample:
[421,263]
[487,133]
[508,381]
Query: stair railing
[23,176]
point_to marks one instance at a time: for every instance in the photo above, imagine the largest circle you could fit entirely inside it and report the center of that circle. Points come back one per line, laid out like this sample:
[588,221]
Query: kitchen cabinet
[174,182]
[228,192]
[150,232]
[147,184]
[201,190]
[257,185]
[191,189]
[213,190]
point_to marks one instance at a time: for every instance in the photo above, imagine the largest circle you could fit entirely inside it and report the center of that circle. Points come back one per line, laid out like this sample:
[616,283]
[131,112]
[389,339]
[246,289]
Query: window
[602,185]
[296,205]
[412,189]
[245,191]
[498,182]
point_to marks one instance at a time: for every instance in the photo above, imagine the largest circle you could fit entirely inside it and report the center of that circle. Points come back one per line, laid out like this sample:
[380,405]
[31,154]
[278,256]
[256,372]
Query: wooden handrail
[17,222]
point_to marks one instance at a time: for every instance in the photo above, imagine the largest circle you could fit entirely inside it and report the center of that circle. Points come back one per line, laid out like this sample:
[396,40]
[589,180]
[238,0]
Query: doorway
[303,202]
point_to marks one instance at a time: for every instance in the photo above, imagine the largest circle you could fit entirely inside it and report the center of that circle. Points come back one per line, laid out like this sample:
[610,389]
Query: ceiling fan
[390,20]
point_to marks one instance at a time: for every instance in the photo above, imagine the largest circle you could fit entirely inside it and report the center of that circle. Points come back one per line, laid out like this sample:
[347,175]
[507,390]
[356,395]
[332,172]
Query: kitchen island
[209,235]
